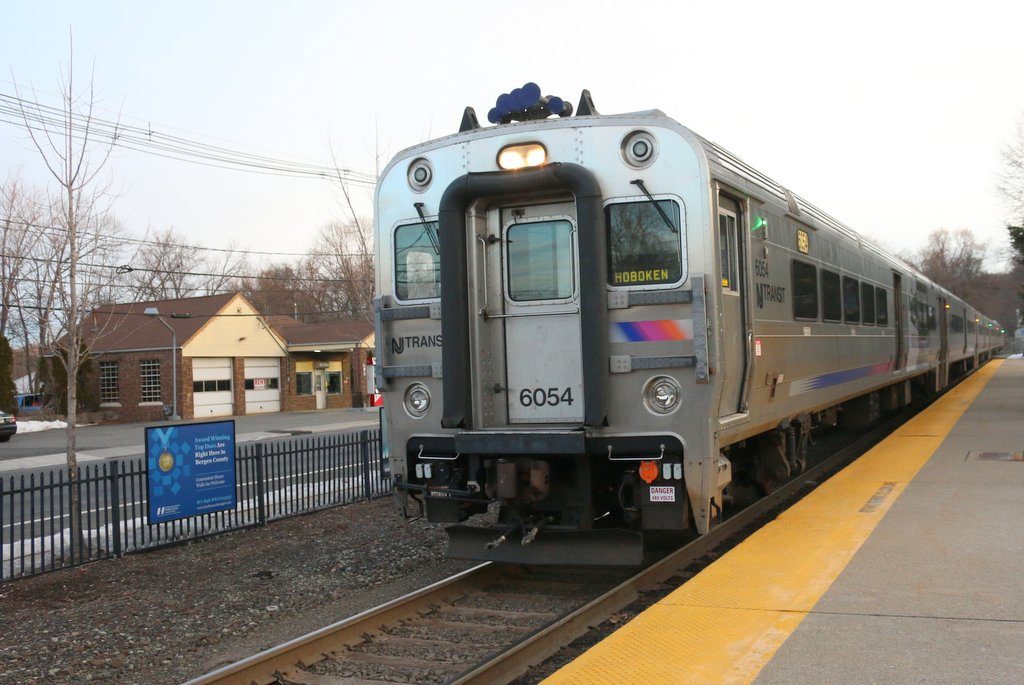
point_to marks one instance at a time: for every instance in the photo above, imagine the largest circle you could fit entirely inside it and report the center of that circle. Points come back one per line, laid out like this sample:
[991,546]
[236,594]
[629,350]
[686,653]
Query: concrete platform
[907,566]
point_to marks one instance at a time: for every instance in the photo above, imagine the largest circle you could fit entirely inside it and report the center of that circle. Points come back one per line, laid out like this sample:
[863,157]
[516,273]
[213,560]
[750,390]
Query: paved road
[30,451]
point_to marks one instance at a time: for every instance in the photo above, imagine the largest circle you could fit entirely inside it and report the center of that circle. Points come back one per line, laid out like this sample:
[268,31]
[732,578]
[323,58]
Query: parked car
[8,426]
[29,402]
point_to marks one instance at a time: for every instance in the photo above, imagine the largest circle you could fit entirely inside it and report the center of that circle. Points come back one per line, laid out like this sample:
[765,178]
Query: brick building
[230,360]
[326,362]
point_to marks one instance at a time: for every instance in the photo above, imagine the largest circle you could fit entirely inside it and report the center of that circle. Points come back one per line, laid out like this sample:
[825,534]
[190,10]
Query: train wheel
[772,467]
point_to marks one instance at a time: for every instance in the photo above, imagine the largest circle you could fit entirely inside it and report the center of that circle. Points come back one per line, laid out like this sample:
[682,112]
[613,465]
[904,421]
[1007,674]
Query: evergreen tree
[1017,242]
[7,390]
[55,382]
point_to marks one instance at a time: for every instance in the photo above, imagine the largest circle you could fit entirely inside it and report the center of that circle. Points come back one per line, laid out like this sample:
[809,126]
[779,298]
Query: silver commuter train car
[605,324]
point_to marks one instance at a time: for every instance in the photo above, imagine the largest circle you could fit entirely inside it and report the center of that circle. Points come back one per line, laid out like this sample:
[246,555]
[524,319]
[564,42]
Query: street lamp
[154,313]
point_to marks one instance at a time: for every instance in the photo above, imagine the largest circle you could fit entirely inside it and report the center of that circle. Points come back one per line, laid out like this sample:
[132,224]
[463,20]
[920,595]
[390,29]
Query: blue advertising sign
[191,469]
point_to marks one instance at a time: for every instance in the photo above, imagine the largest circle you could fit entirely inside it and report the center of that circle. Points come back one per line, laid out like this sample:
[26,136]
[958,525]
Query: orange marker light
[648,471]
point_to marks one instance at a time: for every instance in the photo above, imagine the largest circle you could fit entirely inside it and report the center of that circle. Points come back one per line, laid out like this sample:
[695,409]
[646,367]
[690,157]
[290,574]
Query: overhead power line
[38,117]
[186,246]
[289,314]
[127,268]
[147,122]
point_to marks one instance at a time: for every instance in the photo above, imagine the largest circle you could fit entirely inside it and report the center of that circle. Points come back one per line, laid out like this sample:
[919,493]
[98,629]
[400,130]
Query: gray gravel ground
[168,615]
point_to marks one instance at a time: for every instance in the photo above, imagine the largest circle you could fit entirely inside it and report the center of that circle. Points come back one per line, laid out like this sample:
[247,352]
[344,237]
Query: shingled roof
[325,332]
[121,327]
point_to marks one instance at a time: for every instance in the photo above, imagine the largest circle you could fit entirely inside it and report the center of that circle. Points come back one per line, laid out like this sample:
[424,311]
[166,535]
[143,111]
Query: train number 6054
[539,397]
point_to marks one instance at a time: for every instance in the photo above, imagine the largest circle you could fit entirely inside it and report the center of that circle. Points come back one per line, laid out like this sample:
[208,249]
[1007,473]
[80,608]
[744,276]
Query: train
[592,330]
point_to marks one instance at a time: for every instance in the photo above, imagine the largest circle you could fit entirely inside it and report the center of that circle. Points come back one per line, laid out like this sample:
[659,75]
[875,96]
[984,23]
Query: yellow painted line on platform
[727,622]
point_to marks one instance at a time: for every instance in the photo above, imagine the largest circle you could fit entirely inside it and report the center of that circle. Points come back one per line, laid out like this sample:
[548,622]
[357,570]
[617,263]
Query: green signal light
[759,223]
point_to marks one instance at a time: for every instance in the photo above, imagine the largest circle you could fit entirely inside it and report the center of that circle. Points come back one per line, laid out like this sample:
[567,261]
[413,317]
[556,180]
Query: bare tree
[341,262]
[1011,188]
[281,289]
[75,158]
[166,267]
[20,215]
[222,272]
[342,254]
[1010,185]
[955,260]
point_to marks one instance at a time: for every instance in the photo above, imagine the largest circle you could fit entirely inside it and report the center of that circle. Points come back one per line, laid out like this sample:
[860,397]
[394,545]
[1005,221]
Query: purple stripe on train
[837,378]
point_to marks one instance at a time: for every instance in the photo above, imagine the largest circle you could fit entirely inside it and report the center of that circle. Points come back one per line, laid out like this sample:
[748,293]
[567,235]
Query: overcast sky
[888,115]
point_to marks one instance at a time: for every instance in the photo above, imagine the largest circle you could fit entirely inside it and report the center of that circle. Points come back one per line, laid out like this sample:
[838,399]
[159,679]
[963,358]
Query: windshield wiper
[426,227]
[639,183]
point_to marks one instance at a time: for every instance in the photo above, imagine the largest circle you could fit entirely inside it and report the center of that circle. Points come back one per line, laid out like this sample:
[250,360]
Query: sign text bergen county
[191,468]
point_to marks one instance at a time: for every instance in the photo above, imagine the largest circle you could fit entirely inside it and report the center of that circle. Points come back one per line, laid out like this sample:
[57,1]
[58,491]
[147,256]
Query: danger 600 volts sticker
[663,493]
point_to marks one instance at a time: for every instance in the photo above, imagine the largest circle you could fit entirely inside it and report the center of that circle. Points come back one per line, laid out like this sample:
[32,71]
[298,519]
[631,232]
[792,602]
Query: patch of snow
[1019,355]
[36,426]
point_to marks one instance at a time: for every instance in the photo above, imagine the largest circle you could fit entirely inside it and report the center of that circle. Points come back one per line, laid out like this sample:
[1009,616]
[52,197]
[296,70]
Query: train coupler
[532,534]
[497,542]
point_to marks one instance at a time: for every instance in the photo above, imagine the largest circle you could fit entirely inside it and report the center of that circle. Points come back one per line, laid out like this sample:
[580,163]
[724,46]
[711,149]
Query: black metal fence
[274,480]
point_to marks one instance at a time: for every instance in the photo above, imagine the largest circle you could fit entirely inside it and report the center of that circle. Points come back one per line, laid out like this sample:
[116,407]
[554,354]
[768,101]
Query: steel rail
[516,660]
[264,667]
[280,662]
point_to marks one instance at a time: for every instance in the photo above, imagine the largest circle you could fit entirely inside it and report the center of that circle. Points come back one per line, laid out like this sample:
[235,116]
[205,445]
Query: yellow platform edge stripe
[725,624]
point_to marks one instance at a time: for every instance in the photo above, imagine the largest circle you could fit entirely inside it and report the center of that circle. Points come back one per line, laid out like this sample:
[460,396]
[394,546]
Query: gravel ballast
[167,615]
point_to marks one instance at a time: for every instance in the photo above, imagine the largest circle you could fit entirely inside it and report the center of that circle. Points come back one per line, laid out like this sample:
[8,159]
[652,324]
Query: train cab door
[732,268]
[541,314]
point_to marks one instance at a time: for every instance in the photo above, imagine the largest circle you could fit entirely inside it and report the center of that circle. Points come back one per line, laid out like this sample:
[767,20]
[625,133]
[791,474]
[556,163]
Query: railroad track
[491,623]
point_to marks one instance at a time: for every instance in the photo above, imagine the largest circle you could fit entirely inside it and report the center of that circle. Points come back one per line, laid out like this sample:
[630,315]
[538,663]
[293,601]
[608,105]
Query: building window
[223,385]
[261,384]
[334,382]
[109,392]
[149,375]
[805,290]
[303,383]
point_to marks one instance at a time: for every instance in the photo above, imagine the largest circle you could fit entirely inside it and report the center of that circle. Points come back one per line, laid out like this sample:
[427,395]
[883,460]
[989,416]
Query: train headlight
[519,156]
[420,174]
[417,400]
[639,149]
[661,395]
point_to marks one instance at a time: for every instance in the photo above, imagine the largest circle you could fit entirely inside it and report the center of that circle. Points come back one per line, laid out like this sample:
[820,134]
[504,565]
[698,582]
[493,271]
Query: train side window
[851,300]
[417,262]
[881,307]
[642,248]
[805,290]
[867,302]
[727,249]
[831,296]
[917,316]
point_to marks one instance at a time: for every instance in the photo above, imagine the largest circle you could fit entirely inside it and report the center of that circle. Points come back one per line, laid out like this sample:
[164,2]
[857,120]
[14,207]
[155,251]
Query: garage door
[211,386]
[262,385]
